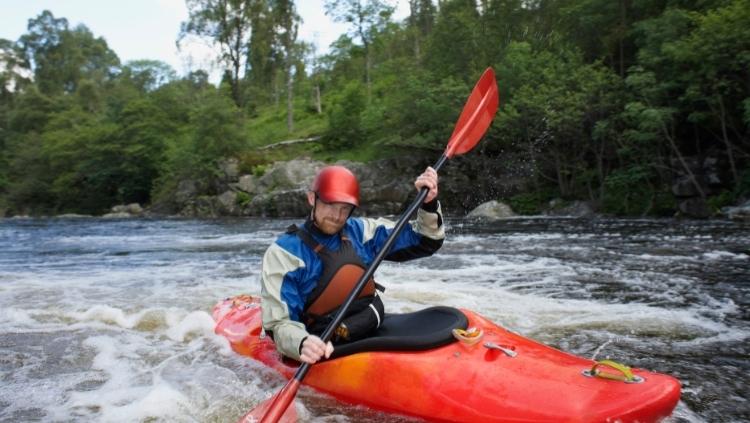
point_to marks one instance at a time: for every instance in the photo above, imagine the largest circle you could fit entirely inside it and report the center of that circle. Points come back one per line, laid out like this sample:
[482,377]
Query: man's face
[329,217]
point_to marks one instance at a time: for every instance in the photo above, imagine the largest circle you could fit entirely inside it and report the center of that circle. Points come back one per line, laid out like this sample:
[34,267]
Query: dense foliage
[610,101]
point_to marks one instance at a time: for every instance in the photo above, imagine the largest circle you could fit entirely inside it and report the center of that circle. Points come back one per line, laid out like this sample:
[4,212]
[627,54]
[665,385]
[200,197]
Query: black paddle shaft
[305,367]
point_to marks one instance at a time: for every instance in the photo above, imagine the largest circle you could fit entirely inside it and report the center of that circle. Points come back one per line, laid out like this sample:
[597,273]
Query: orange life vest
[341,271]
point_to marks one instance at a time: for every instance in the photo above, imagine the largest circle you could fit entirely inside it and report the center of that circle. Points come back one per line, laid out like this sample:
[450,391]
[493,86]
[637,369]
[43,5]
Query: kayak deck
[515,379]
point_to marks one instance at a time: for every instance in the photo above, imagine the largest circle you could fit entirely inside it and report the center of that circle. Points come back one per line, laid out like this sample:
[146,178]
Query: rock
[230,169]
[684,187]
[739,213]
[694,207]
[492,210]
[227,204]
[248,184]
[203,206]
[117,215]
[294,174]
[558,207]
[289,203]
[133,208]
[122,211]
[186,190]
[72,216]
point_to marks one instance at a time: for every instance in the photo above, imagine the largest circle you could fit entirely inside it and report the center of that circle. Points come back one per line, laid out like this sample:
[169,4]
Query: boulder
[694,207]
[684,187]
[291,175]
[230,169]
[558,207]
[123,211]
[248,184]
[289,203]
[117,215]
[492,210]
[202,206]
[739,213]
[132,208]
[227,204]
[186,190]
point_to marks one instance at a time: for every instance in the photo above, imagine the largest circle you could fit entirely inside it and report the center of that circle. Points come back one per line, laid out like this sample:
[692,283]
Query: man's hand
[428,179]
[313,349]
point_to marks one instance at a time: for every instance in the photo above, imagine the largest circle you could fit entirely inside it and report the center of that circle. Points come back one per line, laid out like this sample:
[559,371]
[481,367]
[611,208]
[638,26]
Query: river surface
[109,320]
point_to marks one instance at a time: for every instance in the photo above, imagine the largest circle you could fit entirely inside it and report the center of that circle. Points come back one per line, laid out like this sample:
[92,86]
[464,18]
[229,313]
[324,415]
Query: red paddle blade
[278,408]
[476,116]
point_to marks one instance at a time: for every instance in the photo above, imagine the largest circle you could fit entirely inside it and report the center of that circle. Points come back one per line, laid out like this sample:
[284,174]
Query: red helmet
[336,184]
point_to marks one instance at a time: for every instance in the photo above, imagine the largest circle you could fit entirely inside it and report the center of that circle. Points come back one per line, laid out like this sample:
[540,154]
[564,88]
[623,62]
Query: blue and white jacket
[291,270]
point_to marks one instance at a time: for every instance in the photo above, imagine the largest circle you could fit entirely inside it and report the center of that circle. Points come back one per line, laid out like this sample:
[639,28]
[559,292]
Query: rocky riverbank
[386,187]
[467,188]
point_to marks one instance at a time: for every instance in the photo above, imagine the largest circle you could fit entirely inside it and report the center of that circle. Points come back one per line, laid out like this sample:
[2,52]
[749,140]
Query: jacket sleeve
[422,238]
[279,264]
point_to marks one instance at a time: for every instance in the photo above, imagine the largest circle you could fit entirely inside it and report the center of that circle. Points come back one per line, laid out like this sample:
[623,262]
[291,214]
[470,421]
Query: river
[109,320]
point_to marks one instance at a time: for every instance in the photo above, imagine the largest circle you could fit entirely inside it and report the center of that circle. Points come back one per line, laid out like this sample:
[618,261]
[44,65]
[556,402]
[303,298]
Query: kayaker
[308,272]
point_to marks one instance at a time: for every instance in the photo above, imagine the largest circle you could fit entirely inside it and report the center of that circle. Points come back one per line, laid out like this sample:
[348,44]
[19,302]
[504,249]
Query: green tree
[366,18]
[227,23]
[421,20]
[264,58]
[60,57]
[453,45]
[715,60]
[345,118]
[555,103]
[148,75]
[288,24]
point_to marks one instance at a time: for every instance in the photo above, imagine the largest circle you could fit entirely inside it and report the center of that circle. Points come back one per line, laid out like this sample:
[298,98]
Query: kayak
[450,365]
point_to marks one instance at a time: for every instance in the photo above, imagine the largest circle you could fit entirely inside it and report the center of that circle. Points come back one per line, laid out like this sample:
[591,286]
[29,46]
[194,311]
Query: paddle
[473,122]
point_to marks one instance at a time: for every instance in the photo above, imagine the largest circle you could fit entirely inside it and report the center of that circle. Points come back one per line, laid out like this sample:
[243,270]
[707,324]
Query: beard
[329,226]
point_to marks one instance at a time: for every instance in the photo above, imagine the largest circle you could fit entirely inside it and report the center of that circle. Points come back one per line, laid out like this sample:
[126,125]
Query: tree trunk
[289,100]
[368,65]
[276,93]
[561,183]
[600,170]
[681,158]
[727,142]
[414,16]
[621,35]
[318,106]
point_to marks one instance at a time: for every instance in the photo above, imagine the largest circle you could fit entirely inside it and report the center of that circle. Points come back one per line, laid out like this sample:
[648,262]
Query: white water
[109,321]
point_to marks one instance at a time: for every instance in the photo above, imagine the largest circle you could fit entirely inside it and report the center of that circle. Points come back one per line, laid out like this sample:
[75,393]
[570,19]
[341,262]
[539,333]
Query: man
[309,271]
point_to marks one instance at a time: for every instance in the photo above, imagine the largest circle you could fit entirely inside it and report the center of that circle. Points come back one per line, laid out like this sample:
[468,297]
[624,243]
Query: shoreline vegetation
[606,109]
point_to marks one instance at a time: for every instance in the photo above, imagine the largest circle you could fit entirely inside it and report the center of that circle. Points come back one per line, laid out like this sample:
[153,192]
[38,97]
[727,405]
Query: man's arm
[421,238]
[287,333]
[290,336]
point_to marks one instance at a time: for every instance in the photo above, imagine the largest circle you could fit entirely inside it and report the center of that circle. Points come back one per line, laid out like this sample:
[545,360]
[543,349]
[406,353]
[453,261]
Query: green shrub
[530,203]
[260,170]
[723,199]
[628,191]
[243,199]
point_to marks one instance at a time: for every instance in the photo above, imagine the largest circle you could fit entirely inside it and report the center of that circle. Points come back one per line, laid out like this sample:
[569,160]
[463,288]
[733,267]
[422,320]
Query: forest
[626,104]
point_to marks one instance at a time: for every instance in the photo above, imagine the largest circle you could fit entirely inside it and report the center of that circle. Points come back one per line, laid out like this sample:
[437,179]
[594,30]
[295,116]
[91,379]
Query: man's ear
[311,198]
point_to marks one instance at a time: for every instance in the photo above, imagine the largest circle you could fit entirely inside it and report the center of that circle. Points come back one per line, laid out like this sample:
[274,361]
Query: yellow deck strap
[626,376]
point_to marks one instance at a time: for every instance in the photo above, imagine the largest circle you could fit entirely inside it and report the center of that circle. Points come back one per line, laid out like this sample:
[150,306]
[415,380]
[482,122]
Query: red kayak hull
[464,383]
